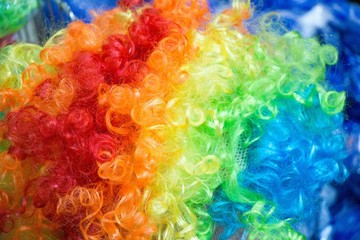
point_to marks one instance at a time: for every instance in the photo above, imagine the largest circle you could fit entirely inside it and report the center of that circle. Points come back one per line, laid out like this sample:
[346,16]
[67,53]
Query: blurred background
[34,20]
[330,21]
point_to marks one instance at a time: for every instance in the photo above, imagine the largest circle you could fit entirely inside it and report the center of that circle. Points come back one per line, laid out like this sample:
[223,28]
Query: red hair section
[82,133]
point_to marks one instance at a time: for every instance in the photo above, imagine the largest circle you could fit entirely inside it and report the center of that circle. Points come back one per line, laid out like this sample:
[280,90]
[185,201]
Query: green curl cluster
[14,14]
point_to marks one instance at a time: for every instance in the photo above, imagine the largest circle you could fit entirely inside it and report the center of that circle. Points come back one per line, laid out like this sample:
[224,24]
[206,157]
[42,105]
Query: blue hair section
[339,26]
[300,151]
[225,215]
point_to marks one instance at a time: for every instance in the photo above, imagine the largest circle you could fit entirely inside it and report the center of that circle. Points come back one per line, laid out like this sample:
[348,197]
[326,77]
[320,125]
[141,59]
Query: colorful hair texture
[160,121]
[288,165]
[339,26]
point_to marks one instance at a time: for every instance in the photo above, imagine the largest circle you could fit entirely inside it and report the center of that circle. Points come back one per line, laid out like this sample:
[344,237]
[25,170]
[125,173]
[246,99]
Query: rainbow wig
[162,121]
